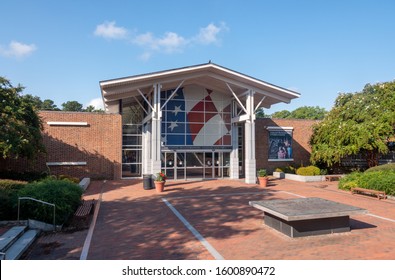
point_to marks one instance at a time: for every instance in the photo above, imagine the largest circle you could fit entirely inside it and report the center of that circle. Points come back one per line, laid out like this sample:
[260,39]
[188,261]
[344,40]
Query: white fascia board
[68,123]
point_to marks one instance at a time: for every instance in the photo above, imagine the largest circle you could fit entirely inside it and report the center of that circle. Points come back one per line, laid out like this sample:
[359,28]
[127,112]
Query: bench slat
[85,208]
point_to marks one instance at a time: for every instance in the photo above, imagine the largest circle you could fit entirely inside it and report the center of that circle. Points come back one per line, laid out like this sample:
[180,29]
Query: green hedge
[63,193]
[9,198]
[384,167]
[375,180]
[308,171]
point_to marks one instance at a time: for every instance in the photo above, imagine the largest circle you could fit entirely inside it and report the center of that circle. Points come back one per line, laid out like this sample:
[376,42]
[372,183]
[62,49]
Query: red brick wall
[99,144]
[302,130]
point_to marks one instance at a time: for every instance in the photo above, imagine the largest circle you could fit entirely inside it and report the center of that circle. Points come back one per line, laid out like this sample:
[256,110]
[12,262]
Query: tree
[38,104]
[49,105]
[359,123]
[260,114]
[20,134]
[284,114]
[92,108]
[308,112]
[73,106]
[305,112]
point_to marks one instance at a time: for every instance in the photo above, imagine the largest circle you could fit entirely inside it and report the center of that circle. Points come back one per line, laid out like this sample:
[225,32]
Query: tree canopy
[304,112]
[20,134]
[359,123]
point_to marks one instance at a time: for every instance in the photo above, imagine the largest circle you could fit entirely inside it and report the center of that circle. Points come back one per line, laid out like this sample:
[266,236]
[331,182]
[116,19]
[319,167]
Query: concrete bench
[84,209]
[379,194]
[306,216]
[84,183]
[333,177]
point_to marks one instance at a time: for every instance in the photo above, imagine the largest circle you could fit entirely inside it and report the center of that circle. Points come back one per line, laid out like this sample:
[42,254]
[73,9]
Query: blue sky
[60,50]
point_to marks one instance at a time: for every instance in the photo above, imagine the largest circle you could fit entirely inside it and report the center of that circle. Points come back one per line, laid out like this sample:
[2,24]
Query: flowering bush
[161,177]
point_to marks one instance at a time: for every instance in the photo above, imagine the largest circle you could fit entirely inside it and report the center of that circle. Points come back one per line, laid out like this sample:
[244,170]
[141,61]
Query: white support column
[249,140]
[156,131]
[234,154]
[146,141]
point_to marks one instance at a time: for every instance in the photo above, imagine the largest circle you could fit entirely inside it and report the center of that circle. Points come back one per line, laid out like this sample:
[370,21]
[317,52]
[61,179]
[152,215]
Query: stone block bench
[306,216]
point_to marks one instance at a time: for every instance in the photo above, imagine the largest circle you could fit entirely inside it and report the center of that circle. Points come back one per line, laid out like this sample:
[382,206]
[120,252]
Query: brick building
[196,122]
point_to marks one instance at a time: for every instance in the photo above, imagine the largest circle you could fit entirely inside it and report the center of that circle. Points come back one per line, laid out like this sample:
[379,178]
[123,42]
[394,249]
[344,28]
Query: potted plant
[262,177]
[160,181]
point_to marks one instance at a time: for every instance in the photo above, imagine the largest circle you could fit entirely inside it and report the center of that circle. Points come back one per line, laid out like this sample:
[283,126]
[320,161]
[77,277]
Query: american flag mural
[196,116]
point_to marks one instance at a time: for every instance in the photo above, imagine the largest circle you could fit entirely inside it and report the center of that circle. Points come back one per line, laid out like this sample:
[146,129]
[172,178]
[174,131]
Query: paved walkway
[212,219]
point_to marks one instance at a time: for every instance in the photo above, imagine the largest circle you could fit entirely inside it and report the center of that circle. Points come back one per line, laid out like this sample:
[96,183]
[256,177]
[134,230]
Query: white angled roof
[209,75]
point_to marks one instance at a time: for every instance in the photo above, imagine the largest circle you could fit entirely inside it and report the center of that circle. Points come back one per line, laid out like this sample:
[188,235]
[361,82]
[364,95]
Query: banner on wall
[196,116]
[280,143]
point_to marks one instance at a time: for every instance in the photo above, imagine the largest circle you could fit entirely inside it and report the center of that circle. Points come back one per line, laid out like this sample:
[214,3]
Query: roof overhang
[209,75]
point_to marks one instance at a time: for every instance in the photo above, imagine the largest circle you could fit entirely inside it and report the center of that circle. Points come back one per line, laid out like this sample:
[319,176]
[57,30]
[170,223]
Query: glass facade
[195,135]
[132,117]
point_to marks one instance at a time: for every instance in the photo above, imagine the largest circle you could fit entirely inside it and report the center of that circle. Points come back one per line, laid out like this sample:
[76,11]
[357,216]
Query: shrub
[9,198]
[349,181]
[23,176]
[286,169]
[63,193]
[70,178]
[375,180]
[308,171]
[384,167]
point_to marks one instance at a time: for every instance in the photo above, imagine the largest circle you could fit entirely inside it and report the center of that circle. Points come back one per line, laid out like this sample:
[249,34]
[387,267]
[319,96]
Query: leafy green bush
[375,180]
[308,171]
[63,193]
[384,167]
[23,176]
[286,169]
[9,198]
[349,181]
[70,178]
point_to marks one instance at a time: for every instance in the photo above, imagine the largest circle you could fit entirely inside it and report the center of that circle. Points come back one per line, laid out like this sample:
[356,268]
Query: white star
[173,125]
[176,110]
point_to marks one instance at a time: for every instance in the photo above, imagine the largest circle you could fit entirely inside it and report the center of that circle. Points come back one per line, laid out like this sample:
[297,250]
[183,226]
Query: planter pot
[263,181]
[159,186]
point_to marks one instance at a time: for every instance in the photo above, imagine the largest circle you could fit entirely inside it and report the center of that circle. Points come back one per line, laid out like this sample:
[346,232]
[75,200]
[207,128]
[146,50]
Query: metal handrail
[40,201]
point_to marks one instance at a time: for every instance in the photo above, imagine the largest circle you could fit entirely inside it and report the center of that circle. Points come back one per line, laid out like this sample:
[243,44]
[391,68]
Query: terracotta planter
[159,186]
[263,181]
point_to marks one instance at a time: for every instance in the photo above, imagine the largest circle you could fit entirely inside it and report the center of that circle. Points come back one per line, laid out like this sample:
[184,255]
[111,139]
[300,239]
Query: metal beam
[171,96]
[237,99]
[141,105]
[259,104]
[145,99]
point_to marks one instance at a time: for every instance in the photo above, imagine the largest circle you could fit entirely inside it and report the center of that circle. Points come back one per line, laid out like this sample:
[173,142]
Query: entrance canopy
[209,75]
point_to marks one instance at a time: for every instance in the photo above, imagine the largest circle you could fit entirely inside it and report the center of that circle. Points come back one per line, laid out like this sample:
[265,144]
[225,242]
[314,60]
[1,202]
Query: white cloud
[169,42]
[17,50]
[96,102]
[109,30]
[209,34]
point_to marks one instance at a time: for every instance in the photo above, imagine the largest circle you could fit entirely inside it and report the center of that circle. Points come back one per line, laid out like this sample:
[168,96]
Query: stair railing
[40,201]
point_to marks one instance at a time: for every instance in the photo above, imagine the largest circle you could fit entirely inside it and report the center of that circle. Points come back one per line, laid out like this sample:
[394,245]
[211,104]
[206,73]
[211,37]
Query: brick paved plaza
[133,223]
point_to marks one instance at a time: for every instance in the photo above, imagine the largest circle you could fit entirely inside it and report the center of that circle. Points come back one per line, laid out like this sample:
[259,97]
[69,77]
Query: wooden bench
[379,194]
[333,177]
[84,209]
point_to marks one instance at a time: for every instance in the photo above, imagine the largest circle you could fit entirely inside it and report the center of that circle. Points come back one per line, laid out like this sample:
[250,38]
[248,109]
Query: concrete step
[10,236]
[21,245]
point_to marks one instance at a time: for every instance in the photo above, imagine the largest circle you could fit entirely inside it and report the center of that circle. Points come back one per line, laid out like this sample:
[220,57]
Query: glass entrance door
[188,165]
